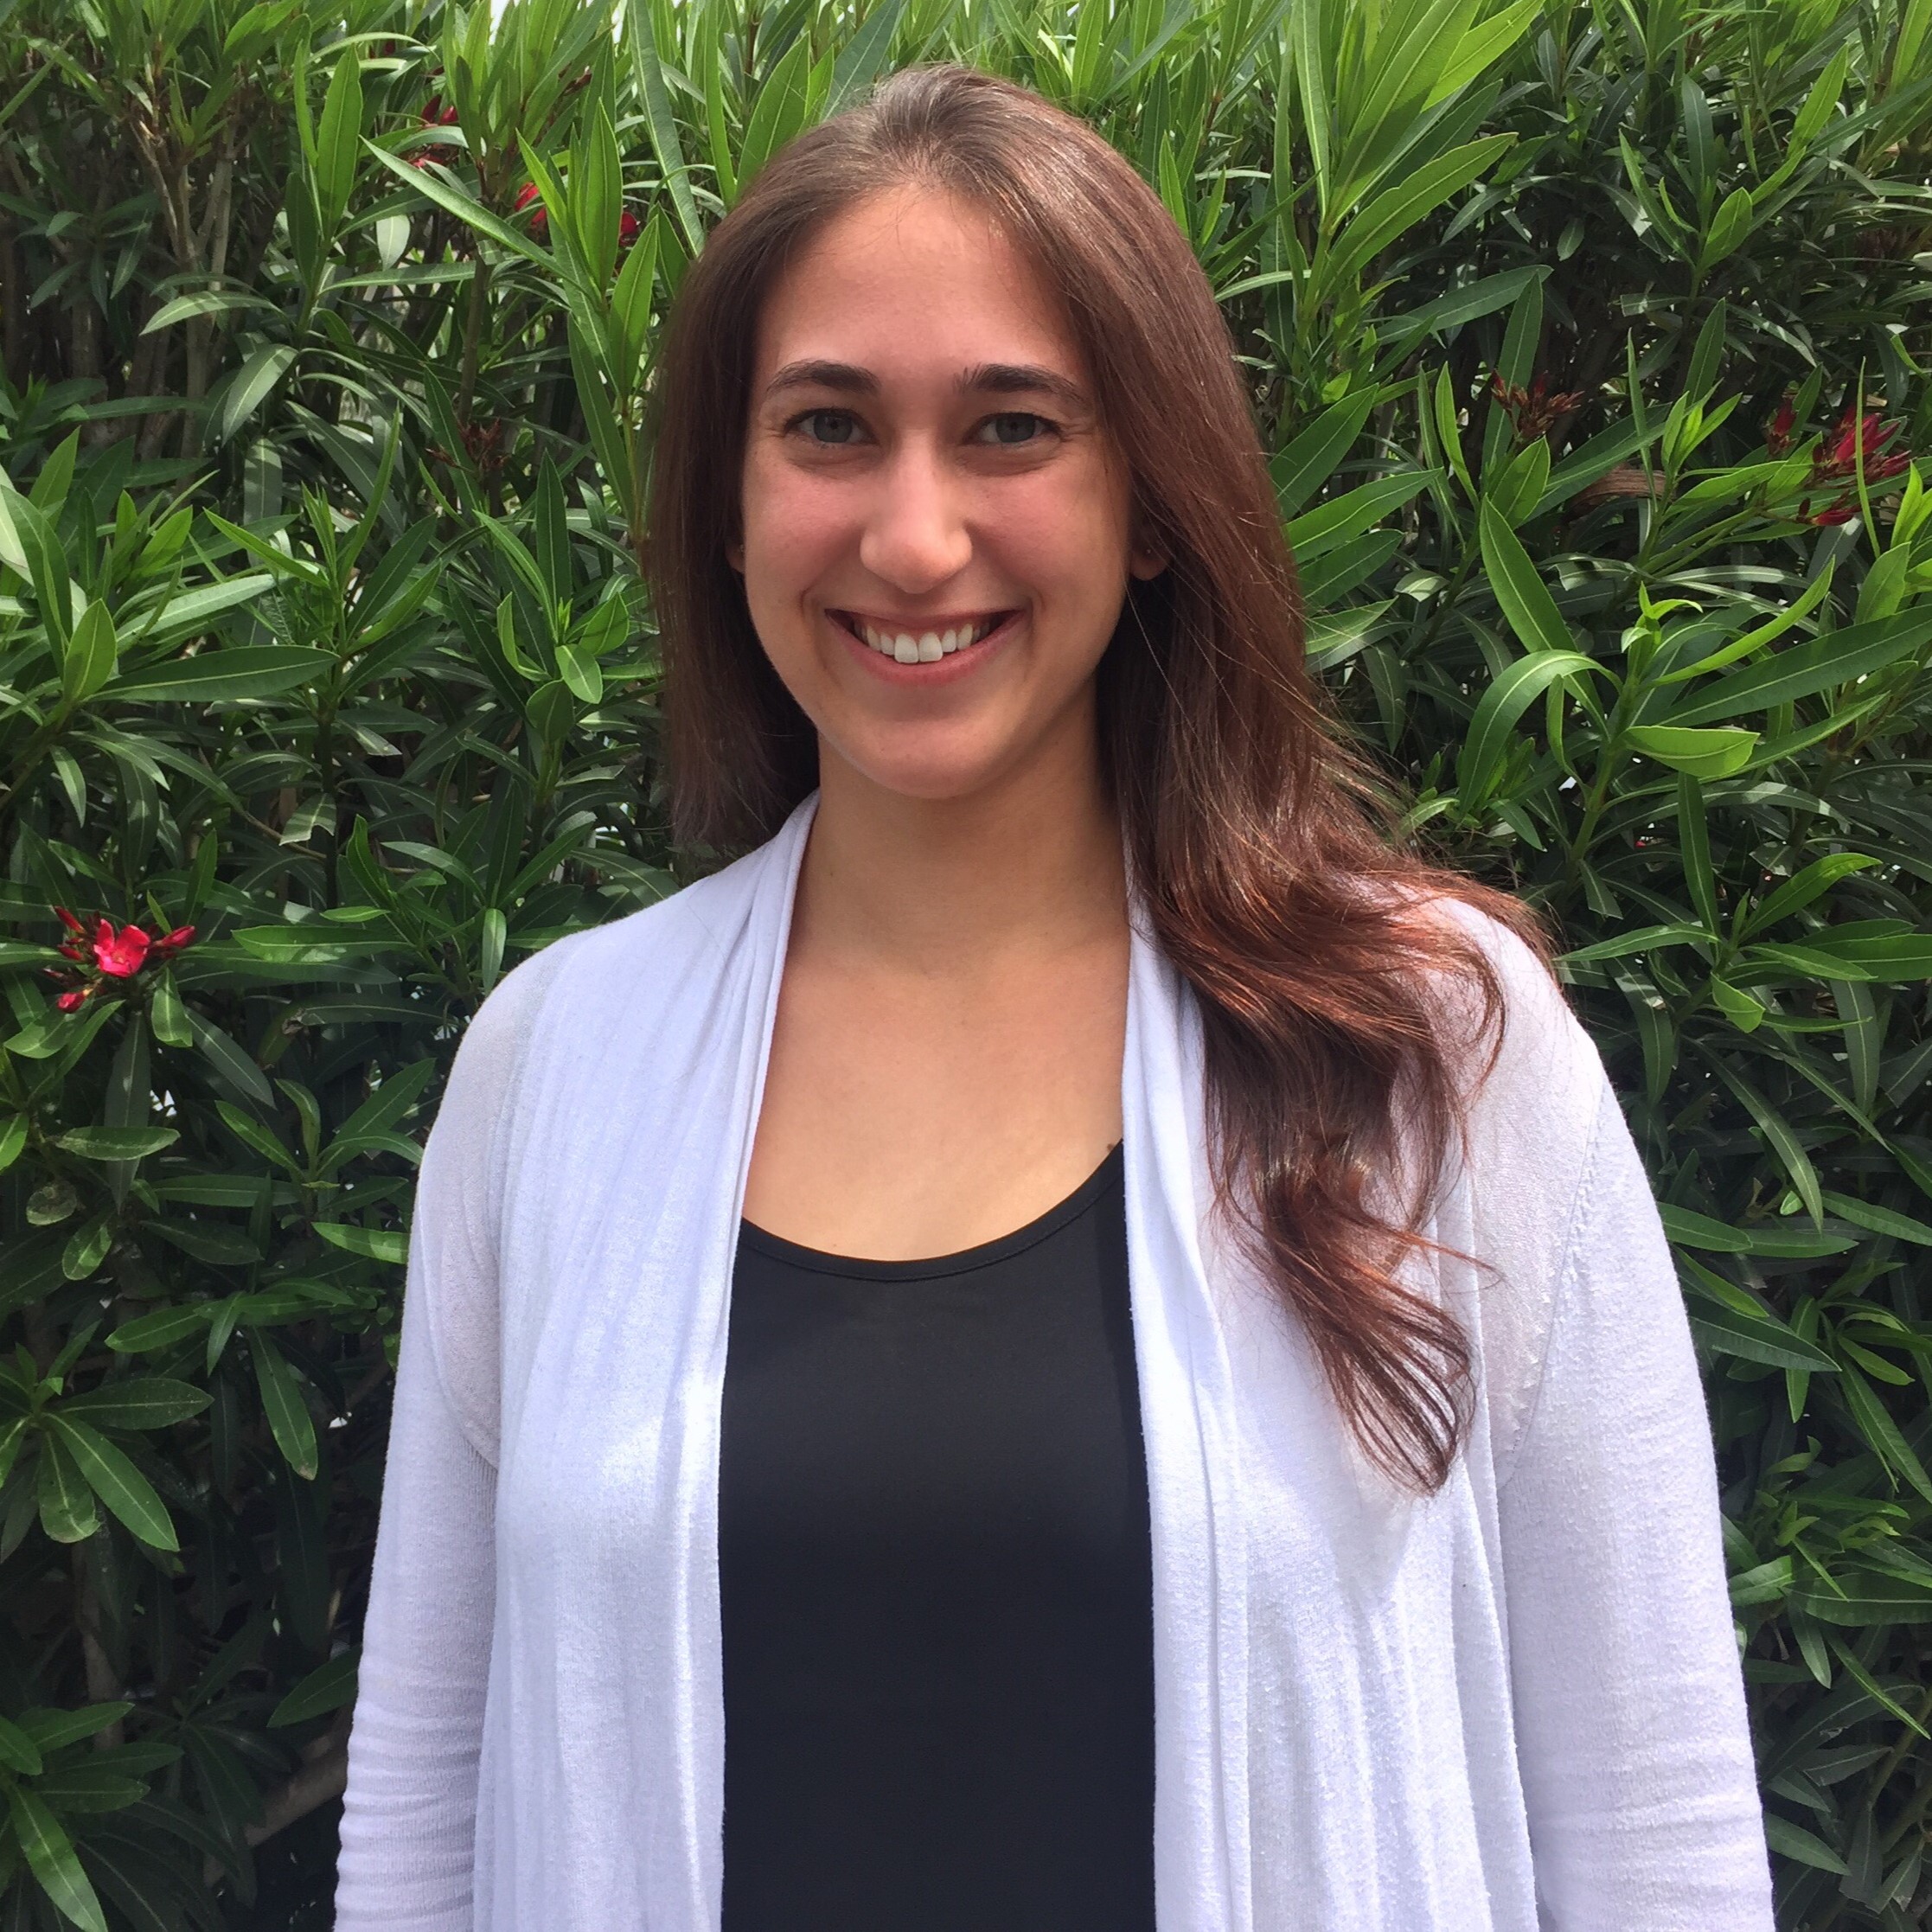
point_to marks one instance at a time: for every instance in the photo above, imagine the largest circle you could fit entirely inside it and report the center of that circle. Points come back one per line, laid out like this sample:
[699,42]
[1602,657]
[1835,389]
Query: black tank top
[936,1586]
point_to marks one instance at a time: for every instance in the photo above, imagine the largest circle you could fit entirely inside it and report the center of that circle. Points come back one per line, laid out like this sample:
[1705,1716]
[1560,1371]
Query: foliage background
[327,330]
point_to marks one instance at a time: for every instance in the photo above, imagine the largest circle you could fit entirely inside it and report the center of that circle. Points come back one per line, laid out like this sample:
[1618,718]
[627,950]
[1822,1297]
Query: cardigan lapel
[609,1486]
[1187,1418]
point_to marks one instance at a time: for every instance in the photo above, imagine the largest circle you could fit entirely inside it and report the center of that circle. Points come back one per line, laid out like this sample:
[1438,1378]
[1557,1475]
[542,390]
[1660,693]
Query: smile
[925,646]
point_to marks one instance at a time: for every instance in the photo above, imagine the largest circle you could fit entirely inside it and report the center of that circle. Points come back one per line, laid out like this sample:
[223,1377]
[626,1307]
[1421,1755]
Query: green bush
[327,679]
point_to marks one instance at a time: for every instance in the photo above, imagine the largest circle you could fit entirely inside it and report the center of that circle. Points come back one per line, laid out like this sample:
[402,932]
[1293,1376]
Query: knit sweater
[1513,1706]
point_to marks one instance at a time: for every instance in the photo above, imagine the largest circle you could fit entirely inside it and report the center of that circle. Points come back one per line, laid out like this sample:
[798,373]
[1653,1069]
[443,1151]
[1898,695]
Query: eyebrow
[995,379]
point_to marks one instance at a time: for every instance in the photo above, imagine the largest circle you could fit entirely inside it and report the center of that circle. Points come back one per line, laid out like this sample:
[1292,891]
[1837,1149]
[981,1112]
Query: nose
[915,537]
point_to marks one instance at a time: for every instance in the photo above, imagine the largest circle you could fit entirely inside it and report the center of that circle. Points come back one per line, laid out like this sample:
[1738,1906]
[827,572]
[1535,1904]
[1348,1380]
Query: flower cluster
[435,114]
[1535,410]
[108,954]
[528,200]
[1857,442]
[539,218]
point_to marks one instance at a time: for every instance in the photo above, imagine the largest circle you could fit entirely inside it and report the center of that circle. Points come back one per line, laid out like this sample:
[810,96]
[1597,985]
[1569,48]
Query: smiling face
[936,544]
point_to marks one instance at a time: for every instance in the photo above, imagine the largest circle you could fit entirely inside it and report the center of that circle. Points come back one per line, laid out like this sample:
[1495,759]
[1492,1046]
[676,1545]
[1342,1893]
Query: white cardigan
[1515,1704]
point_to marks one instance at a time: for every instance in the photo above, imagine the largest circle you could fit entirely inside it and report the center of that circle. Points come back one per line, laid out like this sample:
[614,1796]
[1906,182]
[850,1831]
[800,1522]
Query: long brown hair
[1250,829]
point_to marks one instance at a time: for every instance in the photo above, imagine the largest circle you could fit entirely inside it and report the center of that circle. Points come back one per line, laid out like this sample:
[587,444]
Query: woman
[1073,1341]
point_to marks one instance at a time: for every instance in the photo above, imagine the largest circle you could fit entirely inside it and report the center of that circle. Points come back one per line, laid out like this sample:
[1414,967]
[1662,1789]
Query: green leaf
[338,136]
[660,121]
[864,57]
[51,1858]
[164,1328]
[1698,1231]
[17,1751]
[91,654]
[1397,210]
[1879,1220]
[251,386]
[67,1504]
[167,1016]
[115,1480]
[90,1787]
[377,1244]
[1729,227]
[294,1428]
[1525,599]
[1793,1841]
[188,616]
[1805,886]
[1307,463]
[87,1248]
[1875,1423]
[1837,658]
[1731,1322]
[217,676]
[116,1143]
[54,1730]
[1639,939]
[230,1062]
[1778,1136]
[1719,753]
[779,110]
[1870,1597]
[136,1402]
[1343,518]
[321,1691]
[1505,700]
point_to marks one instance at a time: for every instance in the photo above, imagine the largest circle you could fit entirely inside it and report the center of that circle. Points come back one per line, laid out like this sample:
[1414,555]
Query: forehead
[909,282]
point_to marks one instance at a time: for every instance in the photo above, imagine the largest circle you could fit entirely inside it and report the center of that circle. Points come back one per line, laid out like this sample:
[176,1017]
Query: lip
[948,670]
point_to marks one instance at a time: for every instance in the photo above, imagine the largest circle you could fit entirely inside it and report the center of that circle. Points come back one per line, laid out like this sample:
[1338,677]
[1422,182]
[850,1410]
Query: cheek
[1068,535]
[793,525]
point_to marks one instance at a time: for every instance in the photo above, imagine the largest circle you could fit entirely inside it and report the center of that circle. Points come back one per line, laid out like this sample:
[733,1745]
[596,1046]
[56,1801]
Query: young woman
[1073,1343]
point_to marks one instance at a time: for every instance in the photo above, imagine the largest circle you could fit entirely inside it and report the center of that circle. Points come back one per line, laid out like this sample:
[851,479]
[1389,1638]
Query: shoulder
[588,978]
[1519,1053]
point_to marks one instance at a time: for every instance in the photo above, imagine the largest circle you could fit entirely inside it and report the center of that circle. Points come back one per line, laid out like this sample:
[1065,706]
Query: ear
[734,555]
[1147,560]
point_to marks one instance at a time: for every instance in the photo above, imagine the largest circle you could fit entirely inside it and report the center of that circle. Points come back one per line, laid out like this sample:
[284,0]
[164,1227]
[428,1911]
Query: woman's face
[935,542]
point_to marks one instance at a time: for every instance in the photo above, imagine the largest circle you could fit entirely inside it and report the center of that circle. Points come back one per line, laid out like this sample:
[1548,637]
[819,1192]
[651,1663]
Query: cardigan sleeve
[408,1829]
[1632,1735]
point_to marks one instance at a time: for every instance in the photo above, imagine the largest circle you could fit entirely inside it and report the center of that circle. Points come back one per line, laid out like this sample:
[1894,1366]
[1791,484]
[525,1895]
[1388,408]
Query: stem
[472,342]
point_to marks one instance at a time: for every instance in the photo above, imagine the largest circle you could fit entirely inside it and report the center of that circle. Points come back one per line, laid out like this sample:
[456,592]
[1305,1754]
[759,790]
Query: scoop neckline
[963,1261]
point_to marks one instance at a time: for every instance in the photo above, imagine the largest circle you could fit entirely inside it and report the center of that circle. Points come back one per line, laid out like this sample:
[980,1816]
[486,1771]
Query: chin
[932,772]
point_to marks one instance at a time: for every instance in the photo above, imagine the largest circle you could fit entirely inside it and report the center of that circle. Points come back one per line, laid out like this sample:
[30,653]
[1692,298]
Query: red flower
[1535,410]
[72,1002]
[1857,441]
[120,955]
[629,229]
[436,115]
[1777,431]
[172,942]
[540,220]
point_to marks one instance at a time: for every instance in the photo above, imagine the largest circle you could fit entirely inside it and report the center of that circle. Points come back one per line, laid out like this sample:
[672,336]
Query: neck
[1031,863]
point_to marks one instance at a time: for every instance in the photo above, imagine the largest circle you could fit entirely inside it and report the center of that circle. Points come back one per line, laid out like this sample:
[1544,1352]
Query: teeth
[929,647]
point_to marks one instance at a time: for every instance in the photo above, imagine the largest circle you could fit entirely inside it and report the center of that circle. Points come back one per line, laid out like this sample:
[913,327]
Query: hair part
[1253,833]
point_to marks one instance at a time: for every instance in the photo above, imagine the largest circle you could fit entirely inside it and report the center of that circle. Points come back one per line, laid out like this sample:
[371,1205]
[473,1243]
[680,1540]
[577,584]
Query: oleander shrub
[1588,337]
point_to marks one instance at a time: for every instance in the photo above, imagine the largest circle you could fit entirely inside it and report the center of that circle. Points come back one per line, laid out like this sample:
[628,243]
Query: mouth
[928,643]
